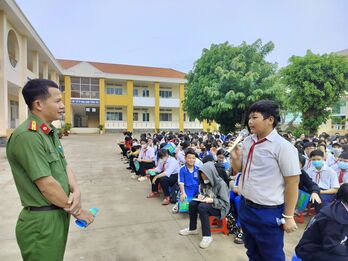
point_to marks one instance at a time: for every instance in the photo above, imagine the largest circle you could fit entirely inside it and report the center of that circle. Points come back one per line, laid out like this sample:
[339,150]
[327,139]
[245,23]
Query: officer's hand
[290,225]
[85,216]
[75,203]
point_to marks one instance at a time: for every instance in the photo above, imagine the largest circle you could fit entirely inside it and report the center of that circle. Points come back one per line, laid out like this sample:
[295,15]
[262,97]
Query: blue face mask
[342,165]
[318,163]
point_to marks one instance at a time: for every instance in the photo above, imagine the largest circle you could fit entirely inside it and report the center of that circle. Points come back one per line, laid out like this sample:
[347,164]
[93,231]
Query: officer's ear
[37,105]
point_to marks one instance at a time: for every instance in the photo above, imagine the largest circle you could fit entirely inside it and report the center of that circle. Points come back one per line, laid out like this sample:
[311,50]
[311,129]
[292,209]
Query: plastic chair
[217,225]
[295,258]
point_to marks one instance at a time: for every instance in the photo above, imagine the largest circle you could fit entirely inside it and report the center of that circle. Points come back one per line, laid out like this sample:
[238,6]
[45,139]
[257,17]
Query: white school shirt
[170,166]
[326,177]
[147,154]
[272,160]
[338,172]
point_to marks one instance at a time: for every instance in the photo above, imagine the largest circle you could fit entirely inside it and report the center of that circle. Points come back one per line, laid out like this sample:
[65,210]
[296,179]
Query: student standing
[268,185]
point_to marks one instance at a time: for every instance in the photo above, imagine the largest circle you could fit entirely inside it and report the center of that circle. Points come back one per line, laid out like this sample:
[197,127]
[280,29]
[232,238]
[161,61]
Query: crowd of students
[198,166]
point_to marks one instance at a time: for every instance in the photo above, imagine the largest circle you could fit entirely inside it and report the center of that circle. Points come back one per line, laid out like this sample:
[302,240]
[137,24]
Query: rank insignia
[45,128]
[33,126]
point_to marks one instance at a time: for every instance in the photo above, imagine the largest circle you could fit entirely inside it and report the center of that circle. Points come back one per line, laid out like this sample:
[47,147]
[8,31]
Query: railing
[193,125]
[143,124]
[144,101]
[169,103]
[169,125]
[115,125]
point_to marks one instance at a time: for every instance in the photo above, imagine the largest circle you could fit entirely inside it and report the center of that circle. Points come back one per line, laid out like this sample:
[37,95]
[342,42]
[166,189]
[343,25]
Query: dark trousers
[131,163]
[165,183]
[263,237]
[123,148]
[205,210]
[144,166]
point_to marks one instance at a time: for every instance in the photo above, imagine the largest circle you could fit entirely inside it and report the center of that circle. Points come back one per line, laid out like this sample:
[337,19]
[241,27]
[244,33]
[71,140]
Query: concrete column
[3,81]
[45,70]
[102,101]
[53,76]
[36,64]
[157,106]
[181,109]
[67,99]
[130,106]
[22,107]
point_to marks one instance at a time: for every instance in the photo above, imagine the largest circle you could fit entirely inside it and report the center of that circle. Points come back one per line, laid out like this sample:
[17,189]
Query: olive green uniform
[34,151]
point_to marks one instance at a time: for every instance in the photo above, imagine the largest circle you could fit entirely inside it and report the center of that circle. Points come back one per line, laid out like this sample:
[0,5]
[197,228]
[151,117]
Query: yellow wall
[157,105]
[181,110]
[102,101]
[130,105]
[67,98]
[117,100]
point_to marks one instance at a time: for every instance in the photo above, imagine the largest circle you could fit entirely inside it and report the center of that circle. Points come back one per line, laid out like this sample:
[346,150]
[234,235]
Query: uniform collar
[45,128]
[271,137]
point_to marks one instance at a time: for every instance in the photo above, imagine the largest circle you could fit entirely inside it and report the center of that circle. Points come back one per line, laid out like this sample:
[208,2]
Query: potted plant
[67,128]
[101,128]
[60,133]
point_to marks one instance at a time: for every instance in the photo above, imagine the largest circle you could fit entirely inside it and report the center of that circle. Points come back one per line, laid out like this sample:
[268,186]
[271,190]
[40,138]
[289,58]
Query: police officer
[268,184]
[46,185]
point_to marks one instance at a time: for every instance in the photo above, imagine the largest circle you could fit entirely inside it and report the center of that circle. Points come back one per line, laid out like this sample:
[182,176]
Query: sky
[172,33]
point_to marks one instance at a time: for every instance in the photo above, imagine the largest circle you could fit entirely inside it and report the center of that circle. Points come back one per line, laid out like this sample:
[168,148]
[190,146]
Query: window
[165,116]
[114,90]
[114,116]
[146,93]
[12,48]
[135,92]
[135,116]
[165,94]
[146,116]
[87,88]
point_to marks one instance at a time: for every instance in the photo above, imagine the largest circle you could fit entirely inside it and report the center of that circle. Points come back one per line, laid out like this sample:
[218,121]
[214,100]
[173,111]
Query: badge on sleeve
[33,126]
[45,128]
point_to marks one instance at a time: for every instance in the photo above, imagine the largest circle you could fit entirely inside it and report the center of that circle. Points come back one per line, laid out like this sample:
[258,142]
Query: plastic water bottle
[280,221]
[81,223]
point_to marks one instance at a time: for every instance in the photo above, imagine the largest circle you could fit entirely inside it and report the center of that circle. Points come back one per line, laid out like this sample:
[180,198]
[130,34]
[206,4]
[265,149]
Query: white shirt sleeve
[288,160]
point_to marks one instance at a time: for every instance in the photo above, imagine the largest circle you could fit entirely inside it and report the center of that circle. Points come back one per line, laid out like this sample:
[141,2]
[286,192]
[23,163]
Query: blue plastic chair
[295,258]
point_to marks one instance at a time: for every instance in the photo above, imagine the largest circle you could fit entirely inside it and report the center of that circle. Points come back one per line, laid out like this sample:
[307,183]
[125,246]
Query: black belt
[258,206]
[44,208]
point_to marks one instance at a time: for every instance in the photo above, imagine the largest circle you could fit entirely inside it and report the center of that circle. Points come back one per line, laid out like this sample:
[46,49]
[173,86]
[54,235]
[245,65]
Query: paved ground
[129,227]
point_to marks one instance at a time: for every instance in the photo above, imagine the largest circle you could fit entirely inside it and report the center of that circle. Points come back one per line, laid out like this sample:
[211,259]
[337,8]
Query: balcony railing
[169,124]
[115,125]
[143,125]
[193,125]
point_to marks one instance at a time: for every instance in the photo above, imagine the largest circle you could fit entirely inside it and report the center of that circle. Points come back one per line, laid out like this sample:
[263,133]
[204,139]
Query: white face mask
[206,181]
[144,146]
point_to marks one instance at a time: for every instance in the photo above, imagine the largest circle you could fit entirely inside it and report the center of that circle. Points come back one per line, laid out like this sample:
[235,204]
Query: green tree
[227,79]
[315,82]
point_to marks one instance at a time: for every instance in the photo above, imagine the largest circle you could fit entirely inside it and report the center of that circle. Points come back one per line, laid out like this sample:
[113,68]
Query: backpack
[175,189]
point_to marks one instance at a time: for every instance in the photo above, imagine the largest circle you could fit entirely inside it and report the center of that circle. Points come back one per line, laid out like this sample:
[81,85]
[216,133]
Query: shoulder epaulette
[33,126]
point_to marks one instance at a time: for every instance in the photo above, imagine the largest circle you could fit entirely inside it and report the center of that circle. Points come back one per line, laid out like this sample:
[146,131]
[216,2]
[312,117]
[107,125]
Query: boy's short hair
[37,89]
[190,151]
[207,158]
[220,152]
[336,145]
[342,193]
[343,155]
[316,153]
[267,108]
[144,140]
[309,144]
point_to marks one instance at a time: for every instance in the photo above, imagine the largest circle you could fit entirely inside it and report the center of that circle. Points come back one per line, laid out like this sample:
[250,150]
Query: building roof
[127,69]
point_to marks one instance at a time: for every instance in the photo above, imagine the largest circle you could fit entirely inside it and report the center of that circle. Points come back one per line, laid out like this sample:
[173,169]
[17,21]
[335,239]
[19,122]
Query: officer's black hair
[37,89]
[267,108]
[316,153]
[342,193]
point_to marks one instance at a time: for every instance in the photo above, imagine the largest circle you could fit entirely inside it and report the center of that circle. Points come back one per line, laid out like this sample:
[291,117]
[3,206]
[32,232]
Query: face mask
[342,165]
[336,152]
[206,181]
[318,163]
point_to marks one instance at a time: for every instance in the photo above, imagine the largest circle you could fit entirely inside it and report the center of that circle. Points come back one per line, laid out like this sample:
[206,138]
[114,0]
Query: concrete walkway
[130,226]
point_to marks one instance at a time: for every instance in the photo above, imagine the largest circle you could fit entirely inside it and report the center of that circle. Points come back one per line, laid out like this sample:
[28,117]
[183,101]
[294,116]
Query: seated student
[326,236]
[188,178]
[336,152]
[219,167]
[204,151]
[324,176]
[213,200]
[341,168]
[146,159]
[167,169]
[220,158]
[132,154]
[328,157]
[307,185]
[180,154]
[235,199]
[308,148]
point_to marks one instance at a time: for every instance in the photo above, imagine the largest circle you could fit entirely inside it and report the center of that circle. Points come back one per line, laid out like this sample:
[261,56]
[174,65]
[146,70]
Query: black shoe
[129,168]
[132,171]
[239,238]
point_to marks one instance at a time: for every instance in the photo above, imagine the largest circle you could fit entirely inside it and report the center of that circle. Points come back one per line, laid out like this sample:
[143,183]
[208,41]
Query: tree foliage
[315,83]
[227,79]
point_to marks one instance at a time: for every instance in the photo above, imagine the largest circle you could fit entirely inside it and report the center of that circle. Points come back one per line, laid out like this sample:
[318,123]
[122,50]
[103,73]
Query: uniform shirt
[198,163]
[339,171]
[272,160]
[308,163]
[147,154]
[331,160]
[326,177]
[33,154]
[187,178]
[170,166]
[181,157]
